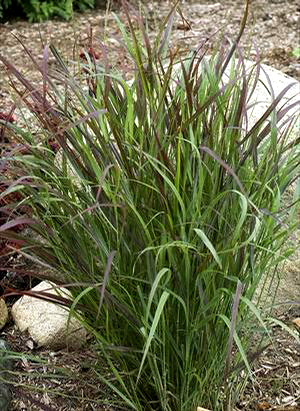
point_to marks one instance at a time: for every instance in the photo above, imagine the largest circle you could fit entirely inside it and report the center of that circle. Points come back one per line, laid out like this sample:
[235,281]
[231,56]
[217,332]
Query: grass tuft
[162,205]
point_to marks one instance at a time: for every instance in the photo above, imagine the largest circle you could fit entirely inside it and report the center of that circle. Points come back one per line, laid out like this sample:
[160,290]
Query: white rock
[3,313]
[262,96]
[48,324]
[270,81]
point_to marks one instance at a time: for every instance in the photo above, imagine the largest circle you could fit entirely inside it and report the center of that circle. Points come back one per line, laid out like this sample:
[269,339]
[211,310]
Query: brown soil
[273,32]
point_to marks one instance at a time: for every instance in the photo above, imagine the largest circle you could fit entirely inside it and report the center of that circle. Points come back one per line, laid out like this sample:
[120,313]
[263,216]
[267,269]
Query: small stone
[3,313]
[48,324]
[287,399]
[30,344]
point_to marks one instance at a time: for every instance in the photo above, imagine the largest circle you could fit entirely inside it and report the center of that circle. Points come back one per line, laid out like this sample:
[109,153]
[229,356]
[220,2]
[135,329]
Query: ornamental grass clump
[160,204]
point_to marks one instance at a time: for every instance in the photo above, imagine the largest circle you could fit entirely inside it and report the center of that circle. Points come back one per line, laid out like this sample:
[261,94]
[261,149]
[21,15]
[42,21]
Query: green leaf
[296,52]
[158,313]
[157,280]
[285,327]
[209,245]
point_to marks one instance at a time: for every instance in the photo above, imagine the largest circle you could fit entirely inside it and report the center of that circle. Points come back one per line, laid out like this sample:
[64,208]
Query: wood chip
[265,405]
[296,322]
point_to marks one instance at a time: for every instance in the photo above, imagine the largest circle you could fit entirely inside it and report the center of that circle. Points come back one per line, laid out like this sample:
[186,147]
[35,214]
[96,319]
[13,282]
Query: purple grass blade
[102,178]
[226,166]
[236,42]
[17,222]
[105,279]
[34,93]
[280,114]
[45,296]
[167,32]
[45,73]
[254,143]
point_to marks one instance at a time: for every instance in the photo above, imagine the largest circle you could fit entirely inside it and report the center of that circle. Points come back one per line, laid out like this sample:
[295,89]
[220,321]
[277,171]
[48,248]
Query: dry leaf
[296,322]
[262,406]
[182,25]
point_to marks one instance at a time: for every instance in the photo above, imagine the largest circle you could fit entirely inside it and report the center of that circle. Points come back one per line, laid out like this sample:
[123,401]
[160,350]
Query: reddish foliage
[10,117]
[8,202]
[11,198]
[94,55]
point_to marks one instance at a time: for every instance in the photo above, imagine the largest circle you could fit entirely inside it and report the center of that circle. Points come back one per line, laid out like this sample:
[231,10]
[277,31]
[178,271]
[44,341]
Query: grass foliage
[163,210]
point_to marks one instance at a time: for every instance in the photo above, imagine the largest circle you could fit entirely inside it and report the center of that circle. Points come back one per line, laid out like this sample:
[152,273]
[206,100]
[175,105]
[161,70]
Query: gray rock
[47,323]
[3,314]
